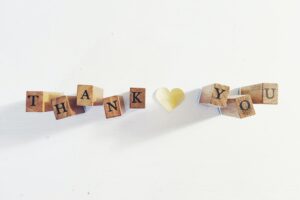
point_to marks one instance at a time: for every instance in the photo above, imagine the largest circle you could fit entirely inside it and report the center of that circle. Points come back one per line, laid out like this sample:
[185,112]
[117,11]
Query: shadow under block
[263,93]
[239,106]
[215,94]
[66,106]
[137,97]
[40,101]
[89,95]
[113,106]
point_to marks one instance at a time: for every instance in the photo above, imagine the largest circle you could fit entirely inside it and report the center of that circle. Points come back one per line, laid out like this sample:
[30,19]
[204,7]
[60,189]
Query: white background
[191,153]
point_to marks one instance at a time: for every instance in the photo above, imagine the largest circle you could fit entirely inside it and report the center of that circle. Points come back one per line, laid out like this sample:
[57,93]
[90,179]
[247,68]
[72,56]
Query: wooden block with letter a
[263,93]
[66,106]
[113,106]
[239,106]
[40,101]
[215,94]
[137,97]
[89,95]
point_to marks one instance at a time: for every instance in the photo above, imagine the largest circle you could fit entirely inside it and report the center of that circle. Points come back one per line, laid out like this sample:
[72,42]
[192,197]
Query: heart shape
[169,100]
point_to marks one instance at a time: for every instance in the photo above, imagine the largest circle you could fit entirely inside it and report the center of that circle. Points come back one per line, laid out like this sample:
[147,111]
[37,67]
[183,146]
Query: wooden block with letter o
[113,106]
[66,106]
[263,93]
[89,95]
[40,101]
[215,94]
[137,97]
[239,106]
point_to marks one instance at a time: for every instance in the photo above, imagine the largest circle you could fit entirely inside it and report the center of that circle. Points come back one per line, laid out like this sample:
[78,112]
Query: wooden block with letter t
[137,97]
[113,106]
[89,95]
[40,101]
[239,106]
[215,94]
[66,106]
[263,93]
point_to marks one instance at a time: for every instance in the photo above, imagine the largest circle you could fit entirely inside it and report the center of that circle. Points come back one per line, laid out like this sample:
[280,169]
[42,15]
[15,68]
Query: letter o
[245,105]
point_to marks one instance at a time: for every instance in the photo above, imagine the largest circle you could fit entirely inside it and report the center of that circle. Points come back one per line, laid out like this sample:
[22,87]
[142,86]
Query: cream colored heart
[169,100]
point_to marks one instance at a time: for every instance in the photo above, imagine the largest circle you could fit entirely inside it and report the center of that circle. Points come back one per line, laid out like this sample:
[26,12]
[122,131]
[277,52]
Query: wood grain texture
[113,106]
[66,106]
[40,101]
[239,106]
[89,95]
[137,98]
[215,94]
[262,93]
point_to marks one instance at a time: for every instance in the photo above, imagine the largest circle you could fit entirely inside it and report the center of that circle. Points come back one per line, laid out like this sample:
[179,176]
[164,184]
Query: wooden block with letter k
[40,101]
[113,106]
[263,93]
[89,95]
[137,97]
[66,106]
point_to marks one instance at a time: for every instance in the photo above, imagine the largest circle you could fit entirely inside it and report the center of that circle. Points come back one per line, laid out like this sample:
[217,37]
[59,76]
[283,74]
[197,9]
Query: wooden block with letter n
[263,93]
[239,106]
[215,94]
[89,95]
[137,97]
[113,106]
[66,106]
[40,101]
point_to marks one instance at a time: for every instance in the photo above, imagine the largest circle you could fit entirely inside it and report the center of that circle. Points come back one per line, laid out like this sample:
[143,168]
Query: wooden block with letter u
[89,95]
[113,106]
[263,93]
[66,106]
[215,94]
[40,101]
[239,106]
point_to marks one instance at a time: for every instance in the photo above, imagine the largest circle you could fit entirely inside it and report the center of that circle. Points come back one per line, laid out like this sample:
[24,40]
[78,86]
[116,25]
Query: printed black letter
[110,105]
[60,106]
[219,92]
[85,94]
[33,99]
[245,105]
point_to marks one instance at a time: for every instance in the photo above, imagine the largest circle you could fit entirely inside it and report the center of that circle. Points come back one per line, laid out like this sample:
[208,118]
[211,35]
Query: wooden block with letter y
[89,95]
[113,106]
[137,97]
[239,106]
[263,93]
[66,106]
[40,101]
[215,94]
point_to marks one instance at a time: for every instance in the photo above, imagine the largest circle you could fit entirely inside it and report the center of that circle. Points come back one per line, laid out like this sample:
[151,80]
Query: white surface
[148,154]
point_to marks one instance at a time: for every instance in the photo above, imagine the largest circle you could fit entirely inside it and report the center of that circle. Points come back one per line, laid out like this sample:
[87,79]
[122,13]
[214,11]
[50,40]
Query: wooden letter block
[239,106]
[89,95]
[65,106]
[137,97]
[39,101]
[113,106]
[263,93]
[215,94]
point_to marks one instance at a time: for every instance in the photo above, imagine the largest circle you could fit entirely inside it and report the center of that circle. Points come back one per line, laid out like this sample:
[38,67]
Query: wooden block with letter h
[113,106]
[239,106]
[66,106]
[89,95]
[215,94]
[263,93]
[137,97]
[40,101]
